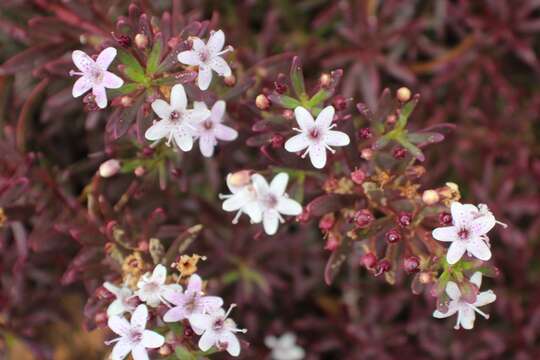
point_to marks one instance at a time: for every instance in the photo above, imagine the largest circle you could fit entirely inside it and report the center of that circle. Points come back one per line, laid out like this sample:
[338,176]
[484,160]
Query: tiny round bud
[411,264]
[280,87]
[365,133]
[325,80]
[239,178]
[327,222]
[141,41]
[392,236]
[363,218]
[139,171]
[403,94]
[262,102]
[366,154]
[382,267]
[165,350]
[122,40]
[445,218]
[109,168]
[404,219]
[230,80]
[430,197]
[368,260]
[126,101]
[399,153]
[358,176]
[391,119]
[147,151]
[339,102]
[288,114]
[277,140]
[425,278]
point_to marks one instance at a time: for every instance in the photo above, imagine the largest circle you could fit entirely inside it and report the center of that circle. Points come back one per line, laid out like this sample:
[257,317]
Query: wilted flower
[151,287]
[122,303]
[190,301]
[217,330]
[316,135]
[211,129]
[207,57]
[284,347]
[134,337]
[94,75]
[465,309]
[177,122]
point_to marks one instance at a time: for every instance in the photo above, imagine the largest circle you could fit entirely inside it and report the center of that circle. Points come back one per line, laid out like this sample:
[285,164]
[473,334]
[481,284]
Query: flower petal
[304,118]
[337,138]
[161,108]
[254,211]
[453,290]
[112,81]
[120,350]
[196,115]
[467,317]
[317,155]
[82,61]
[233,345]
[297,143]
[219,65]
[159,274]
[447,233]
[106,57]
[207,340]
[218,110]
[183,138]
[455,252]
[158,130]
[482,225]
[178,98]
[189,57]
[119,325]
[140,316]
[195,283]
[462,214]
[484,298]
[476,279]
[278,185]
[236,201]
[205,77]
[207,142]
[198,44]
[479,249]
[175,314]
[139,352]
[270,222]
[211,302]
[201,321]
[452,309]
[224,132]
[82,85]
[325,117]
[151,339]
[100,96]
[116,308]
[174,297]
[288,206]
[216,42]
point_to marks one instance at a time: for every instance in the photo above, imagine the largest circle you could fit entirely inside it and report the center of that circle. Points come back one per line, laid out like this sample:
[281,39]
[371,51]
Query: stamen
[112,341]
[501,223]
[236,217]
[226,50]
[456,327]
[329,148]
[229,310]
[297,129]
[305,153]
[73,73]
[332,126]
[486,316]
[170,139]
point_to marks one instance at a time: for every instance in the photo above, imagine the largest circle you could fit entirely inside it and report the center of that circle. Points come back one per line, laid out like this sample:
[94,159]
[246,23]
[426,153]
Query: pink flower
[94,75]
[190,301]
[210,129]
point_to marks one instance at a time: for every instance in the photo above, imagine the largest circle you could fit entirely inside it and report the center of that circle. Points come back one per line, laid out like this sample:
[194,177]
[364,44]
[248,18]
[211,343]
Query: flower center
[191,304]
[463,234]
[96,75]
[151,287]
[204,55]
[218,324]
[135,336]
[175,116]
[208,125]
[314,134]
[271,201]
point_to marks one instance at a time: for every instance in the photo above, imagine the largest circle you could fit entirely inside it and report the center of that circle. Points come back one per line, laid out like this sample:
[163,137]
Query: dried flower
[187,265]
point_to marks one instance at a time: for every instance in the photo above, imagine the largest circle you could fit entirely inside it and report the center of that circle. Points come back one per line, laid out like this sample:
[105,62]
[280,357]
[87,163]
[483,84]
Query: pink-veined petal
[175,314]
[207,142]
[317,155]
[278,185]
[152,339]
[289,207]
[225,133]
[183,139]
[219,65]
[112,81]
[189,57]
[482,225]
[211,302]
[484,298]
[100,96]
[447,233]
[119,325]
[161,108]
[139,352]
[479,249]
[159,274]
[325,117]
[205,77]
[159,130]
[462,214]
[120,350]
[207,340]
[82,61]
[233,345]
[82,85]
[178,98]
[476,279]
[453,291]
[467,317]
[216,42]
[195,283]
[218,110]
[200,321]
[174,297]
[337,138]
[455,252]
[106,57]
[297,143]
[140,316]
[303,118]
[270,222]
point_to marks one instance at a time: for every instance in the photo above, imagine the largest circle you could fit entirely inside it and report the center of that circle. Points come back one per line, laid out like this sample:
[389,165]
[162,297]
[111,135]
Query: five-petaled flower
[316,135]
[190,301]
[151,287]
[133,337]
[468,232]
[211,129]
[207,57]
[94,75]
[243,198]
[217,330]
[465,310]
[177,122]
[284,347]
[123,302]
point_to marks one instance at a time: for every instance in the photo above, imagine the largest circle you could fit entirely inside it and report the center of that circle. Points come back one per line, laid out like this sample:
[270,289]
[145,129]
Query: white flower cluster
[204,313]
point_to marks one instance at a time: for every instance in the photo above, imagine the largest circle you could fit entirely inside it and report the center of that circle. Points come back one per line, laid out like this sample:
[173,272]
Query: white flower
[122,303]
[176,120]
[207,57]
[273,201]
[466,311]
[468,232]
[151,287]
[217,330]
[316,135]
[243,198]
[210,129]
[190,301]
[134,337]
[284,347]
[94,75]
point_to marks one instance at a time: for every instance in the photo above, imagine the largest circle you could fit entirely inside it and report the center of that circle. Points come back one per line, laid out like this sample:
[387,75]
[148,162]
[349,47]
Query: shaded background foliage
[475,65]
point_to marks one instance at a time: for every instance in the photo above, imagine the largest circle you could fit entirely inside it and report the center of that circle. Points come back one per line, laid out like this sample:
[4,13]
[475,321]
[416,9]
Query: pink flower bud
[392,236]
[277,141]
[403,94]
[366,154]
[327,222]
[365,133]
[229,80]
[332,243]
[399,153]
[445,218]
[288,114]
[411,264]
[363,218]
[404,219]
[358,176]
[109,168]
[340,103]
[382,267]
[368,260]
[325,80]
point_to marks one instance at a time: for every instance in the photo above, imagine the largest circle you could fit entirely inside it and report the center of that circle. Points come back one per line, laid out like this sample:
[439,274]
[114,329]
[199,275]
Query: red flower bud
[404,219]
[280,87]
[392,236]
[327,222]
[358,176]
[445,218]
[368,260]
[411,264]
[399,153]
[363,218]
[277,140]
[340,103]
[365,133]
[382,267]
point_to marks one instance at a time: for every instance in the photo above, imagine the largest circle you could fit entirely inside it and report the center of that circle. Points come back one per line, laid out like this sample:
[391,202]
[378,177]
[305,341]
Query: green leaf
[184,354]
[284,101]
[406,112]
[127,88]
[154,57]
[321,96]
[297,78]
[133,68]
[415,151]
[422,138]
